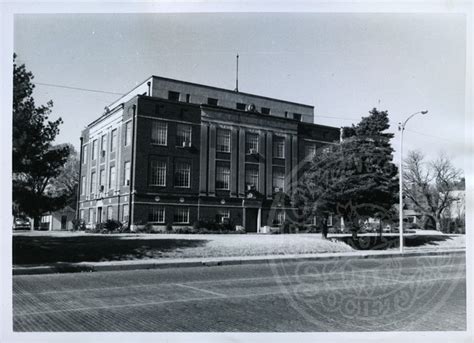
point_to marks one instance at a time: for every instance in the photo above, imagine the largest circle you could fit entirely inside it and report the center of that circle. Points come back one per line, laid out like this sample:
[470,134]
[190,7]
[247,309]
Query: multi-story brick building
[171,152]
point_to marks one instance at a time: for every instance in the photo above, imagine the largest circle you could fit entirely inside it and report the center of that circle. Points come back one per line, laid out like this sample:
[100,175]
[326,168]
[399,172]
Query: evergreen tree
[35,160]
[355,178]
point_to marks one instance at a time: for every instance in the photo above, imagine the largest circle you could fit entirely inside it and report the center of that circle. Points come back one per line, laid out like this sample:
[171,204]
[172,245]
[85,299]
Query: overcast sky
[343,64]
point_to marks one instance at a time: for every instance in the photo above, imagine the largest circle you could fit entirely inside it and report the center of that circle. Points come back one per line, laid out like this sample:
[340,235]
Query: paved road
[419,293]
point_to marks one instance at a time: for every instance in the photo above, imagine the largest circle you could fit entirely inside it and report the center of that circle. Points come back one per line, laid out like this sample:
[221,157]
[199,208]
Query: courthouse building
[172,152]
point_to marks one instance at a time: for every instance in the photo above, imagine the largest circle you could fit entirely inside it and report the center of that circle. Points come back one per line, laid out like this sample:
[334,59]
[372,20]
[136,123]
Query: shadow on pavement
[40,250]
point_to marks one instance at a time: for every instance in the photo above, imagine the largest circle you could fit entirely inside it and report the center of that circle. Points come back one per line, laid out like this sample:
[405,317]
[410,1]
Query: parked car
[20,223]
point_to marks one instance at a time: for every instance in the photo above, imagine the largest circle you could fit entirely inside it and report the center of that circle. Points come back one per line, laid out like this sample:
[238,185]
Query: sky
[343,64]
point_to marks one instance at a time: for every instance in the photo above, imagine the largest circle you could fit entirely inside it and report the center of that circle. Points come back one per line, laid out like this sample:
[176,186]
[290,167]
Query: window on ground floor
[156,214]
[110,213]
[125,212]
[223,216]
[181,215]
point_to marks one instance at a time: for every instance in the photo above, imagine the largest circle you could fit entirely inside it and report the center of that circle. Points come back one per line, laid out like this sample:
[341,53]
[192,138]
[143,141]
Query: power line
[331,117]
[76,88]
[428,135]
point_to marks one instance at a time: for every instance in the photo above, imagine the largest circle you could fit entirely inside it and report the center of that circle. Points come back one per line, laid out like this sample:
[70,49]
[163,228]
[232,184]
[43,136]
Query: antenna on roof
[237,74]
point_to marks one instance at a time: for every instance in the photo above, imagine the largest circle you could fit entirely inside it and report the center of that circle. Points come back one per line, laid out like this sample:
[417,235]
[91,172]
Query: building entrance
[251,215]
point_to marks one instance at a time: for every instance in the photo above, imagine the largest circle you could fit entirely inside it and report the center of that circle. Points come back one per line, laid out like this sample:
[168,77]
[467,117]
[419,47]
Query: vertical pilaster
[234,160]
[294,160]
[287,163]
[269,165]
[261,162]
[212,160]
[241,178]
[203,159]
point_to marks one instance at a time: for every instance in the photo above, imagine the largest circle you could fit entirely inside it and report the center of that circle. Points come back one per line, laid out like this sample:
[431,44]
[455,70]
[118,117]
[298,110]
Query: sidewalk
[213,261]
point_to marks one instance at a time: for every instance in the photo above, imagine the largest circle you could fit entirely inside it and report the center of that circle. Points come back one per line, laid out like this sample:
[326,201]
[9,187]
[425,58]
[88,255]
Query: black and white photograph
[229,172]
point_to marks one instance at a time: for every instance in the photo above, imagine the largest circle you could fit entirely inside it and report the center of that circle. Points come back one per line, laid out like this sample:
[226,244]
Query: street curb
[209,262]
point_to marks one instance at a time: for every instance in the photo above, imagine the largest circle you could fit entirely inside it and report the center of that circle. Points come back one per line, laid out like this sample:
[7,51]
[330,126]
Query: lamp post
[401,128]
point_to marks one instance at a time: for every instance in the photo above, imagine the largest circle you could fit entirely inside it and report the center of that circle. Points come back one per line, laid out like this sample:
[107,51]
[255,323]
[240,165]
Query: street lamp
[401,127]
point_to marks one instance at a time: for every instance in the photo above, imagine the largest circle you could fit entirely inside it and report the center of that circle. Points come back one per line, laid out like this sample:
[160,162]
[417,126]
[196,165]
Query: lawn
[44,247]
[39,248]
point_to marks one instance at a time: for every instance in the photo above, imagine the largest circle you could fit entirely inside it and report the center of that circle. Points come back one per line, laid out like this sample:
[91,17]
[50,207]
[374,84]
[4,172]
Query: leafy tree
[355,178]
[429,186]
[35,160]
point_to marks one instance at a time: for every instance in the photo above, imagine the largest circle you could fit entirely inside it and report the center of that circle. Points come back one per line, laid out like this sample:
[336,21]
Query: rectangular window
[212,101]
[310,150]
[101,180]
[265,110]
[113,140]
[84,154]
[182,175]
[297,116]
[330,220]
[112,177]
[81,214]
[278,180]
[188,97]
[183,135]
[159,132]
[157,173]
[128,133]
[83,185]
[279,147]
[173,96]
[157,214]
[222,177]
[92,215]
[103,145]
[240,106]
[251,176]
[181,215]
[94,149]
[92,182]
[223,216]
[126,173]
[125,212]
[279,217]
[110,213]
[251,143]
[223,140]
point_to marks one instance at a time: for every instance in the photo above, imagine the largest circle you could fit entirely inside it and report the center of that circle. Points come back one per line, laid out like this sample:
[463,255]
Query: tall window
[112,176]
[183,135]
[126,173]
[83,185]
[128,133]
[181,215]
[101,179]
[103,144]
[182,174]
[110,212]
[159,132]
[84,154]
[81,214]
[223,140]
[156,214]
[157,173]
[223,216]
[113,140]
[278,180]
[251,142]
[94,149]
[92,182]
[310,150]
[222,177]
[279,217]
[279,147]
[125,212]
[92,215]
[251,176]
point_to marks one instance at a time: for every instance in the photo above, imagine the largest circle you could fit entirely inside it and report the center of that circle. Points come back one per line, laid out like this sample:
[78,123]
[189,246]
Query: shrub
[78,225]
[112,225]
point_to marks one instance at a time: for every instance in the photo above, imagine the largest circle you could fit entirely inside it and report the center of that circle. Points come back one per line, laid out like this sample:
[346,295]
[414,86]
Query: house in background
[60,220]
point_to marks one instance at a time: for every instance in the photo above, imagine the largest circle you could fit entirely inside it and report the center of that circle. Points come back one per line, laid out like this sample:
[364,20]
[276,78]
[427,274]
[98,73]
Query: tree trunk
[36,222]
[324,232]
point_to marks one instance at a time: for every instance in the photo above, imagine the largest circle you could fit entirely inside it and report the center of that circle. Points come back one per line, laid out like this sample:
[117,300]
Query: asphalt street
[385,294]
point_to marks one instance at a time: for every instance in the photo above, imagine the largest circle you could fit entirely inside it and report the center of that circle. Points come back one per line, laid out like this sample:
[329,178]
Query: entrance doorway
[99,215]
[251,215]
[63,222]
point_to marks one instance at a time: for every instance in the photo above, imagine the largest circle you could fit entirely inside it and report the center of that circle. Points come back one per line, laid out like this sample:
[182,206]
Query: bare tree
[430,185]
